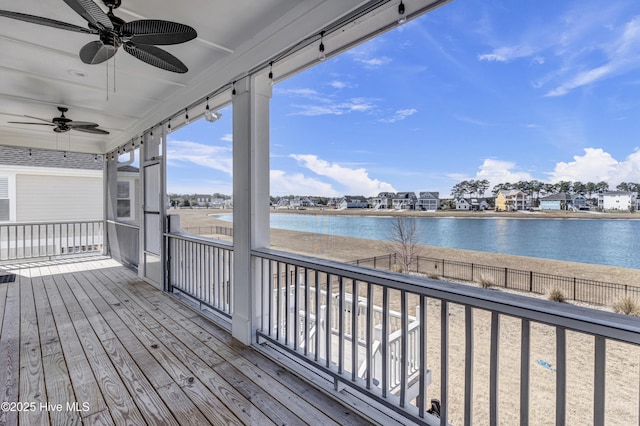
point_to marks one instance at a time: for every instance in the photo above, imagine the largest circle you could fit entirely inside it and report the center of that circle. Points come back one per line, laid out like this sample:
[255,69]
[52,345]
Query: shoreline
[486,214]
[347,249]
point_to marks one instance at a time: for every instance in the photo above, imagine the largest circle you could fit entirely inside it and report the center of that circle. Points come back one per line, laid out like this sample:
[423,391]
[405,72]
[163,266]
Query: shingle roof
[16,156]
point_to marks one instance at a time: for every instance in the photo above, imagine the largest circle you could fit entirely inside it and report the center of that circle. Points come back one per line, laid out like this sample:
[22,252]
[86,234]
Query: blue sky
[496,90]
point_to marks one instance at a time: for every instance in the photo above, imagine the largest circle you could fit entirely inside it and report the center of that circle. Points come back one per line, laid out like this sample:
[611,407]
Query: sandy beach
[623,369]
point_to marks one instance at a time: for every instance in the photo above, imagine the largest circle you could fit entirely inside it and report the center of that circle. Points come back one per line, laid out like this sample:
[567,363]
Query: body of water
[612,242]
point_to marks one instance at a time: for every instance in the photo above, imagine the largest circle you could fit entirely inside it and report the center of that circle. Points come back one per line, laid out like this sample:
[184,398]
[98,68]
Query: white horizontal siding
[42,198]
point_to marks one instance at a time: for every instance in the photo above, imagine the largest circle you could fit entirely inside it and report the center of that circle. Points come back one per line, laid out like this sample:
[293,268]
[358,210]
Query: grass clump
[556,295]
[396,267]
[627,306]
[485,282]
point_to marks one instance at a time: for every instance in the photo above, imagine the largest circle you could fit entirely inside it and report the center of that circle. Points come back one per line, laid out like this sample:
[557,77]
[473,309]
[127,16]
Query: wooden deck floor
[84,341]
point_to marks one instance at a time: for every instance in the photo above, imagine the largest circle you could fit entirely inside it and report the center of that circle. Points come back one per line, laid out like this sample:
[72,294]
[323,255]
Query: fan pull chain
[114,69]
[107,79]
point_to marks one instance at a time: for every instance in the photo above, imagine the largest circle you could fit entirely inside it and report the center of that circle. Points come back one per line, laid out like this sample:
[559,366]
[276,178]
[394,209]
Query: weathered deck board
[89,332]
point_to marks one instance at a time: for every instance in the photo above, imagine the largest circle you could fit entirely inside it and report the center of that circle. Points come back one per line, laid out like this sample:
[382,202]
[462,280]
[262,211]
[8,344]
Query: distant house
[472,204]
[428,201]
[579,201]
[510,200]
[618,200]
[40,185]
[559,201]
[301,202]
[217,203]
[404,201]
[203,200]
[384,200]
[351,202]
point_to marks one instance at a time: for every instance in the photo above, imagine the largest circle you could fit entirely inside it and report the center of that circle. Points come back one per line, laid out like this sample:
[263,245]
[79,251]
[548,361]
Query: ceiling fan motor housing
[112,3]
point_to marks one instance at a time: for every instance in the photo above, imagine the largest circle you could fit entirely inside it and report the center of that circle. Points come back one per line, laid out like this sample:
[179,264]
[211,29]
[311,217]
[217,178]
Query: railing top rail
[202,240]
[595,322]
[125,224]
[55,222]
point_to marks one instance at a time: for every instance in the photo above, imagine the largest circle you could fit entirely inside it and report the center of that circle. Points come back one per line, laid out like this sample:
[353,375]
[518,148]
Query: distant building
[472,204]
[384,200]
[404,201]
[353,202]
[510,200]
[618,200]
[559,201]
[40,185]
[428,201]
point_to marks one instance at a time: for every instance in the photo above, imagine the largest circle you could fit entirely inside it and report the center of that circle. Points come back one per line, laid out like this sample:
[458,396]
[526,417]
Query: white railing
[463,334]
[203,270]
[28,240]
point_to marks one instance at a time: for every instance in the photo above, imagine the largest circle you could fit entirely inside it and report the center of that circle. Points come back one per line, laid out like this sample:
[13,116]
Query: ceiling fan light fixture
[403,18]
[321,54]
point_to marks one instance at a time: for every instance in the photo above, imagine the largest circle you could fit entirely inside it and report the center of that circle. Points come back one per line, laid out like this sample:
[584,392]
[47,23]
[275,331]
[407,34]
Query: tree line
[536,188]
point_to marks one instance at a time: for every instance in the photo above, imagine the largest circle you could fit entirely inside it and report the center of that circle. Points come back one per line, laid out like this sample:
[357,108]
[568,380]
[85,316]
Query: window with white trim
[124,200]
[5,201]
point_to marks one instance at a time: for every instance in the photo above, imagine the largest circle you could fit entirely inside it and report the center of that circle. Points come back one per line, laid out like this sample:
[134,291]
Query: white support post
[250,199]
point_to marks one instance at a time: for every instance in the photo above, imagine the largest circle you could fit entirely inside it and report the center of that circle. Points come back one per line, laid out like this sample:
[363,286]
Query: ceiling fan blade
[96,52]
[45,21]
[154,31]
[155,56]
[78,124]
[91,12]
[38,118]
[93,130]
[25,122]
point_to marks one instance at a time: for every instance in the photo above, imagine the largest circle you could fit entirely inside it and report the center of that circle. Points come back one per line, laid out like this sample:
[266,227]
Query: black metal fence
[572,288]
[210,230]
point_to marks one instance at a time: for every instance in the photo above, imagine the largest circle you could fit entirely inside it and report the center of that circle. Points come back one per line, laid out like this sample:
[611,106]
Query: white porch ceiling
[40,68]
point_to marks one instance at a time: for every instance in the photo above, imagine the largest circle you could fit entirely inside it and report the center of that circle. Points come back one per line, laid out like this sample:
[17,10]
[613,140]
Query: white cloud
[337,84]
[335,108]
[228,137]
[622,55]
[499,171]
[283,183]
[400,114]
[352,181]
[507,53]
[302,92]
[213,157]
[374,62]
[598,165]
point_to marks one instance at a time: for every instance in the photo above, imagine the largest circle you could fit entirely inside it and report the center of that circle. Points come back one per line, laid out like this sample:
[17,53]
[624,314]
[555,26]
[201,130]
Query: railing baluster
[599,381]
[278,308]
[307,294]
[468,365]
[318,317]
[561,376]
[525,358]
[327,324]
[270,297]
[494,368]
[444,362]
[404,359]
[369,331]
[355,312]
[340,325]
[422,394]
[385,341]
[296,322]
[287,284]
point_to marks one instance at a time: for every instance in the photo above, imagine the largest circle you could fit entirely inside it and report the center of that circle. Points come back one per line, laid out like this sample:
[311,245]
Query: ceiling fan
[63,124]
[138,38]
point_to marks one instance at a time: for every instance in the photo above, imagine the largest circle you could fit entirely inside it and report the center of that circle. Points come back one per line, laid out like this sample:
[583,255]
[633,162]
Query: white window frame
[130,198]
[11,182]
